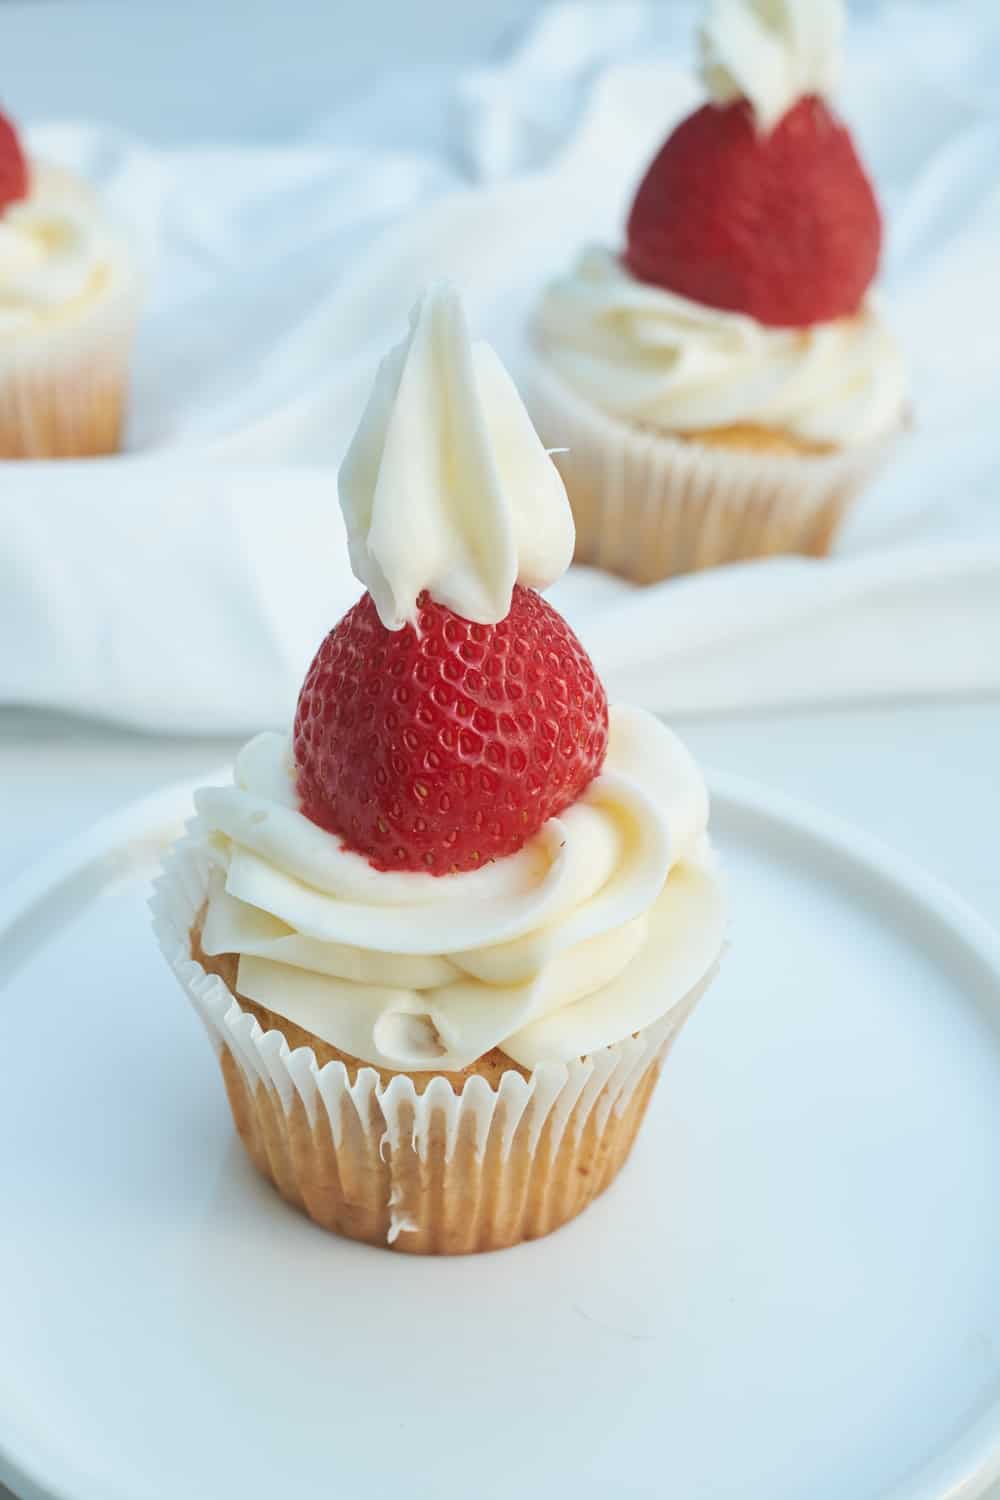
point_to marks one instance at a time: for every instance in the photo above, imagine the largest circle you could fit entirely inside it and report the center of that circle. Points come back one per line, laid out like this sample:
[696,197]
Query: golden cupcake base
[63,389]
[449,1196]
[649,506]
[426,1164]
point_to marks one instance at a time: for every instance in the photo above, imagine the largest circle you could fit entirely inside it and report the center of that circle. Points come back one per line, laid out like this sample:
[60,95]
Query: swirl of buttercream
[609,917]
[659,360]
[55,250]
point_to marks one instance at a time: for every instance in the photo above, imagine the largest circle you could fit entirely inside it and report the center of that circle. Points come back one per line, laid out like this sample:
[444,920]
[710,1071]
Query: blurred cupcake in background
[725,386]
[68,297]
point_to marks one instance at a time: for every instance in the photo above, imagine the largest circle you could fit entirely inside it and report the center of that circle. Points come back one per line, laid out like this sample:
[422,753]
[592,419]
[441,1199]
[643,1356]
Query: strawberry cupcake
[444,932]
[68,299]
[725,384]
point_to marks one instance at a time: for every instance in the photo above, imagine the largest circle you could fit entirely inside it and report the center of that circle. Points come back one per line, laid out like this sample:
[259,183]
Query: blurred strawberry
[782,226]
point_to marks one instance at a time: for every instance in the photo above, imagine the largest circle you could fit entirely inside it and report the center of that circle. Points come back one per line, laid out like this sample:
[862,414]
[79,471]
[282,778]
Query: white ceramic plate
[792,1293]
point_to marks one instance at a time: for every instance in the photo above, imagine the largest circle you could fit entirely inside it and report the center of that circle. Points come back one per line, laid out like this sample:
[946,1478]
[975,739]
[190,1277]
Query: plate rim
[960,1471]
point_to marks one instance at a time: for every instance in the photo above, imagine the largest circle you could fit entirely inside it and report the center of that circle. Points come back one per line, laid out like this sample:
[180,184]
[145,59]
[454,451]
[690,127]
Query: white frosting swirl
[446,486]
[772,52]
[55,250]
[658,360]
[602,923]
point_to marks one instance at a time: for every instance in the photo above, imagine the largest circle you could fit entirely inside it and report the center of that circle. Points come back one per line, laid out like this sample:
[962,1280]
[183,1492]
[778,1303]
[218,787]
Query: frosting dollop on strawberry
[446,486]
[771,52]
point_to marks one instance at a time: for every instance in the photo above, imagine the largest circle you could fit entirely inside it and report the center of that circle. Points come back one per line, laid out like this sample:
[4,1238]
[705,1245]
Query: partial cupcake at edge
[444,932]
[68,303]
[725,383]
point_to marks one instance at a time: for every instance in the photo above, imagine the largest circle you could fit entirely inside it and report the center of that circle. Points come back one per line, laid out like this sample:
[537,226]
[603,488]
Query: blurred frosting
[601,924]
[446,486]
[658,360]
[772,52]
[55,250]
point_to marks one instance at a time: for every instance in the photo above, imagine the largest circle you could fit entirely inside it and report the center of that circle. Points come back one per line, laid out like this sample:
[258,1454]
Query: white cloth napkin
[185,585]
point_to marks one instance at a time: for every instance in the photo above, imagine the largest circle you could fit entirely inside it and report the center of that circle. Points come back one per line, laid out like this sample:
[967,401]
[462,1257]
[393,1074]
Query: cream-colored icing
[446,486]
[56,251]
[772,52]
[602,924]
[659,360]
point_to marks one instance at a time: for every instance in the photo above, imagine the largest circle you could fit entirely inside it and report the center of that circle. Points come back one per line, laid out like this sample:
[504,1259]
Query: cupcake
[725,384]
[67,312]
[444,933]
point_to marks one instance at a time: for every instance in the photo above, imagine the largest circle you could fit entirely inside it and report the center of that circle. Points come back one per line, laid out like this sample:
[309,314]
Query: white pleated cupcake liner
[64,386]
[648,506]
[409,1162]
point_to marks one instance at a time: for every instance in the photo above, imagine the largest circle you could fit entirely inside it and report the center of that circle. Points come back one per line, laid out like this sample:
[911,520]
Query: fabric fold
[184,586]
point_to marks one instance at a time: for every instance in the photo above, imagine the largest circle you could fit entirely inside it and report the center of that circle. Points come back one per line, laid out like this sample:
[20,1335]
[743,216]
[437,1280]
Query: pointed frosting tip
[446,485]
[771,52]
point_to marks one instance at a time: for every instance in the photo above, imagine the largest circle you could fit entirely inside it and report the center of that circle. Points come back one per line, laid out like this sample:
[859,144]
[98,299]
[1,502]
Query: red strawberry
[783,226]
[441,748]
[13,166]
